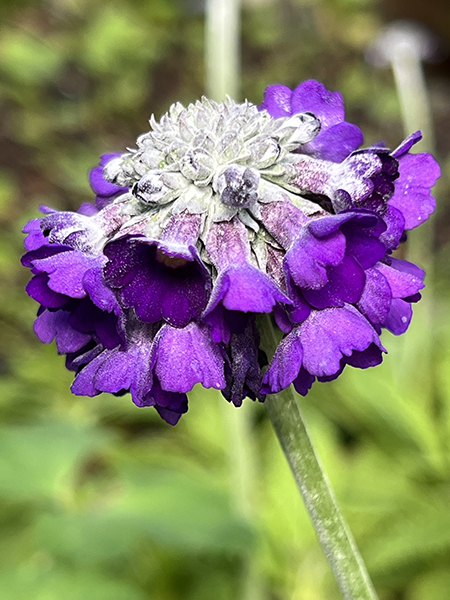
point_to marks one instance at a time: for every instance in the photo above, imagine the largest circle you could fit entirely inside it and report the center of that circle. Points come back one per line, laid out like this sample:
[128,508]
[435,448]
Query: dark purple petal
[345,284]
[282,319]
[304,381]
[243,371]
[364,247]
[158,281]
[301,309]
[38,289]
[54,325]
[101,325]
[371,357]
[395,222]
[188,356]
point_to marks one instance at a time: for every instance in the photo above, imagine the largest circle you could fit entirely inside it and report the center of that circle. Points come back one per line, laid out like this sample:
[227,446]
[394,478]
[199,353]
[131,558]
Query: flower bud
[238,186]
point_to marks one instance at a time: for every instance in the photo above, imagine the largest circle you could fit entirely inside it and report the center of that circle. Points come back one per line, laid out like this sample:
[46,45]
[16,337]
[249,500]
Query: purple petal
[100,294]
[66,271]
[376,298]
[345,284]
[312,96]
[247,289]
[405,279]
[309,256]
[105,190]
[53,325]
[186,357]
[120,369]
[277,101]
[285,365]
[335,143]
[395,222]
[412,197]
[407,144]
[399,316]
[326,225]
[330,334]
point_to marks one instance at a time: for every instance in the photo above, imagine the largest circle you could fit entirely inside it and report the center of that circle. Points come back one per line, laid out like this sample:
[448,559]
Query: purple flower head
[223,213]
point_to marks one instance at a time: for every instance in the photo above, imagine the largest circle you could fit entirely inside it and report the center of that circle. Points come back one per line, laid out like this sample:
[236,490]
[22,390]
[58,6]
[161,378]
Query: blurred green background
[100,500]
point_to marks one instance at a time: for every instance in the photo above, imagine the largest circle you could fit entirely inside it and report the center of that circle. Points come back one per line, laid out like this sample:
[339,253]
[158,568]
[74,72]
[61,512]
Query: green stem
[222,51]
[331,528]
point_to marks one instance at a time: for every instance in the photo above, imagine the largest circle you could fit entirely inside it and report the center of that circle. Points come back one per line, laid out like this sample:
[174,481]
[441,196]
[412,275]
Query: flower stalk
[222,53]
[331,528]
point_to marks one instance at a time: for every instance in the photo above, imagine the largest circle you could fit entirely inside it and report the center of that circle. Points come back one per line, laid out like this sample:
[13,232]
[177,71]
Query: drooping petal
[285,365]
[399,317]
[330,334]
[188,356]
[66,271]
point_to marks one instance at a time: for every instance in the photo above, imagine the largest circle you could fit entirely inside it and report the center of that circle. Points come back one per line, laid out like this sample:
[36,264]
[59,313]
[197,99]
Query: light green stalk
[222,49]
[331,528]
[222,62]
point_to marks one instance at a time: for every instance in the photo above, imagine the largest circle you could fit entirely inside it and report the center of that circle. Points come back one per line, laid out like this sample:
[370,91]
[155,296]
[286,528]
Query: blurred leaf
[411,540]
[37,461]
[115,36]
[55,584]
[182,511]
[434,584]
[28,59]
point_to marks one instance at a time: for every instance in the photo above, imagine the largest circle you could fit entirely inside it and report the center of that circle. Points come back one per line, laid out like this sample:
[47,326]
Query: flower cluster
[222,213]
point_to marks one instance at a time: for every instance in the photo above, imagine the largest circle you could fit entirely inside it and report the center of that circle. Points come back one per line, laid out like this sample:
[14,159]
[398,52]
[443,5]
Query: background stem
[222,49]
[222,63]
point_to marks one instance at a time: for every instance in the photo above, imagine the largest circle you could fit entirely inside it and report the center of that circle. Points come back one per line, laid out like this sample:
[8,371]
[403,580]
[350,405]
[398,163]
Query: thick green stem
[332,530]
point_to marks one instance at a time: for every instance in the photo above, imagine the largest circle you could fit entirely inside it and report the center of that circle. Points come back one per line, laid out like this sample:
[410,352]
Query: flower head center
[224,147]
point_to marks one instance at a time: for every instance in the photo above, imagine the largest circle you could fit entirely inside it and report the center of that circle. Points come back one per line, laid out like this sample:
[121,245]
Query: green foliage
[101,500]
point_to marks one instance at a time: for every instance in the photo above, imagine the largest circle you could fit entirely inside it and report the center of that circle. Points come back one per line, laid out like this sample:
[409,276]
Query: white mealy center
[225,147]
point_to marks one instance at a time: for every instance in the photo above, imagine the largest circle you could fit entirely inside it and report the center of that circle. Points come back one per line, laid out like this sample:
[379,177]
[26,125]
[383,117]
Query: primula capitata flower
[224,212]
